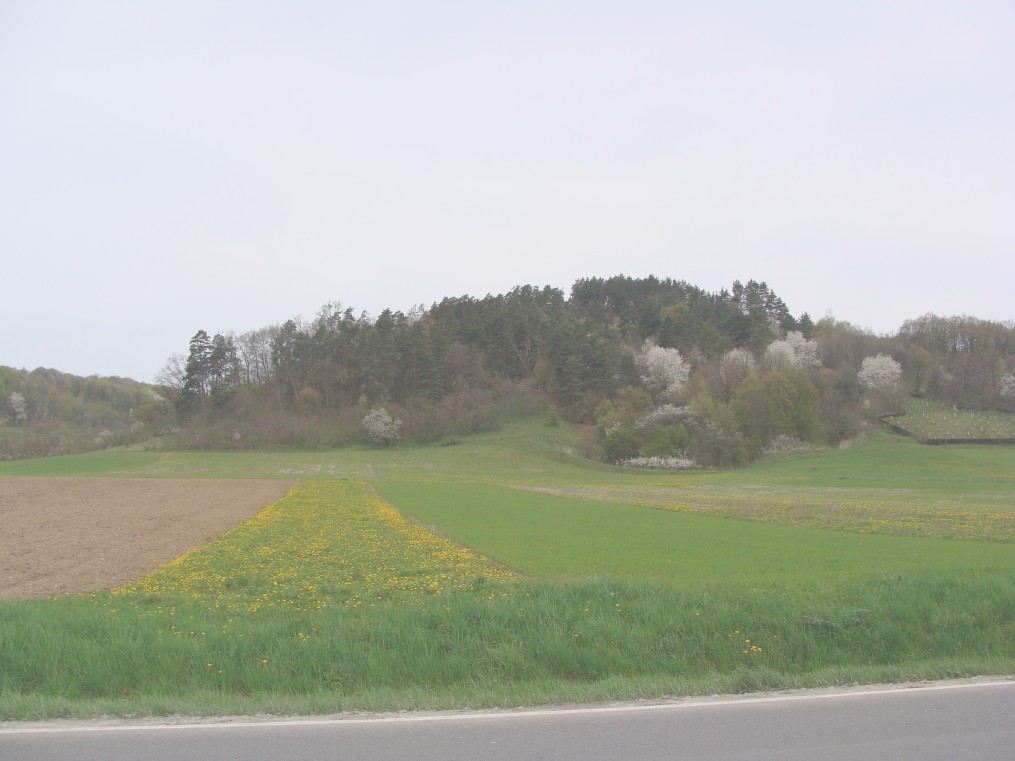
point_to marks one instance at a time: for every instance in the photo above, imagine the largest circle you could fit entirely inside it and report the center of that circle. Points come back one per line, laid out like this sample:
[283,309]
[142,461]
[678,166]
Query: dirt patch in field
[62,535]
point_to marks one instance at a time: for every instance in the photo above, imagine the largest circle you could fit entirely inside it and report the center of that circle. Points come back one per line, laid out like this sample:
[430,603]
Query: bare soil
[65,535]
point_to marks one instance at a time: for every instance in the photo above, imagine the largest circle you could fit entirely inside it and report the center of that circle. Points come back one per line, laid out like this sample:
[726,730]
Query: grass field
[930,420]
[544,579]
[550,537]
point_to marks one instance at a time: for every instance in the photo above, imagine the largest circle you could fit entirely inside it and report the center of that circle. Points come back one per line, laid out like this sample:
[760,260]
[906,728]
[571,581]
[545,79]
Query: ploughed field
[68,535]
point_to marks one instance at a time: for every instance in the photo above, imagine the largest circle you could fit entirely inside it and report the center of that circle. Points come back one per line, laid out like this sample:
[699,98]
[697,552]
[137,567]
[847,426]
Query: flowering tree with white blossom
[663,371]
[381,427]
[880,378]
[1007,386]
[879,373]
[19,406]
[795,350]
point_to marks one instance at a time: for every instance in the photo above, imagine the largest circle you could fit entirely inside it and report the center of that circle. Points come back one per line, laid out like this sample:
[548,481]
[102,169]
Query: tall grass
[543,642]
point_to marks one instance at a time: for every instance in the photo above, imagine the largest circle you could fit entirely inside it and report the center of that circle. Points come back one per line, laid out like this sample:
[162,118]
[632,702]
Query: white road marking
[668,705]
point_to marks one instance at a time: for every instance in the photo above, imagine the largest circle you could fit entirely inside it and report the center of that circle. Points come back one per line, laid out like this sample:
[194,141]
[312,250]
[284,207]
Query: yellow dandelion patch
[325,543]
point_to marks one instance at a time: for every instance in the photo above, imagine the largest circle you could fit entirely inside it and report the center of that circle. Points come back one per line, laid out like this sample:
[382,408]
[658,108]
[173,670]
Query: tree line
[657,371]
[653,371]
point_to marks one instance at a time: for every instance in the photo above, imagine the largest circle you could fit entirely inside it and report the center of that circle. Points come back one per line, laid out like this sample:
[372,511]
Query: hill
[46,412]
[658,372]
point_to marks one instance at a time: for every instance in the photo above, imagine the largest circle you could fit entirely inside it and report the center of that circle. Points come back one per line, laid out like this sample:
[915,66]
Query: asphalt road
[946,721]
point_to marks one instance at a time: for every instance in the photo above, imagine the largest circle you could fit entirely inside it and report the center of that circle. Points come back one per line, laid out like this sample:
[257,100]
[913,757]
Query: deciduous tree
[880,374]
[734,368]
[795,349]
[173,373]
[879,377]
[381,427]
[1006,386]
[663,371]
[19,407]
[782,403]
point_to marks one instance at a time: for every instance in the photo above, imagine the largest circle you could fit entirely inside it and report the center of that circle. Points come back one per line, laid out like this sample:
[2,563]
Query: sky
[169,167]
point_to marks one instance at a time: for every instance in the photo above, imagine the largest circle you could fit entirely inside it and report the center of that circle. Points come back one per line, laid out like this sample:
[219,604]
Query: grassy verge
[540,643]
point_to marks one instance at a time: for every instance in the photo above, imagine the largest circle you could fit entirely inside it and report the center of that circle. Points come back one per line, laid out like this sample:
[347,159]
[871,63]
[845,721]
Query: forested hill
[46,412]
[572,348]
[653,368]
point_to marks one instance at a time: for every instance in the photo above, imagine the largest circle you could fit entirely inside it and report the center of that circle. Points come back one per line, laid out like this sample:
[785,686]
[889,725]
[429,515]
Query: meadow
[931,420]
[504,571]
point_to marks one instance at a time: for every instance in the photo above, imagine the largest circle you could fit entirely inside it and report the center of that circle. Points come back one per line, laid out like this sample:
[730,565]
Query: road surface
[973,719]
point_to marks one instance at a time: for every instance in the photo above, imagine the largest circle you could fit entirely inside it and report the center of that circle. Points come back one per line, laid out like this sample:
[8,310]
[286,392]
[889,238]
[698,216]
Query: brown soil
[63,535]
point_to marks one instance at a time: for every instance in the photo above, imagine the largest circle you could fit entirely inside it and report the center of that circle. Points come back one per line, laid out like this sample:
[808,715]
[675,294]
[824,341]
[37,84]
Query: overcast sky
[173,166]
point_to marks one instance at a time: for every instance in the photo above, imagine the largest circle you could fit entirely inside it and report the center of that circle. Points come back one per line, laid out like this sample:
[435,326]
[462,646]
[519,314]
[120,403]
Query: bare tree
[734,367]
[173,373]
[254,348]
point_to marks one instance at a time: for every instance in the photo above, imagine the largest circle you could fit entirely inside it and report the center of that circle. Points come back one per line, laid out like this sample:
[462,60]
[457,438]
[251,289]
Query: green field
[550,537]
[930,420]
[562,581]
